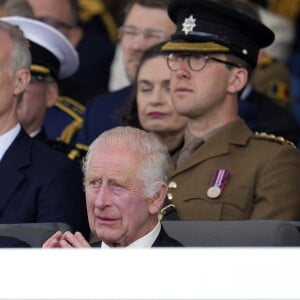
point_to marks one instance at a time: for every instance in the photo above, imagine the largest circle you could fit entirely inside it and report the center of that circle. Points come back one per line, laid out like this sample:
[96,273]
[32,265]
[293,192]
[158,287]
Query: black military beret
[208,26]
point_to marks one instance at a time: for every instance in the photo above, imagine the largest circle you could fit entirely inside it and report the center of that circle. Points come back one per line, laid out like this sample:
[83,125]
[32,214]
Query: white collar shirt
[144,242]
[7,139]
[34,133]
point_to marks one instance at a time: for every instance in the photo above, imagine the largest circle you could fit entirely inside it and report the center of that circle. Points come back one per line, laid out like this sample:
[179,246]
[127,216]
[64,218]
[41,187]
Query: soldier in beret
[221,170]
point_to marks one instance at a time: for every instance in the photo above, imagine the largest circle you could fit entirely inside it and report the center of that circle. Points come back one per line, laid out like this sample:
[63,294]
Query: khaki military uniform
[264,179]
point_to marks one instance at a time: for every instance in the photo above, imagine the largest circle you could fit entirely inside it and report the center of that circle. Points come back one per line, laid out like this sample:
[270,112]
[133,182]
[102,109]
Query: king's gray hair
[151,152]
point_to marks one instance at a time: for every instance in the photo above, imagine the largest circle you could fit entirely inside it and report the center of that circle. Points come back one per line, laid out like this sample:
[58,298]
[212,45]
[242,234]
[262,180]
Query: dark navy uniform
[64,119]
[103,112]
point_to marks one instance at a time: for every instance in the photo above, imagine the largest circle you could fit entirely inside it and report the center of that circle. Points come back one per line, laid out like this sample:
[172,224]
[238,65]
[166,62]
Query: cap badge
[188,24]
[217,184]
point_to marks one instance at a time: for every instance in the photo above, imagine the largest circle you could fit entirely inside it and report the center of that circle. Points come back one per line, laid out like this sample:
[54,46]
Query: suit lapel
[15,158]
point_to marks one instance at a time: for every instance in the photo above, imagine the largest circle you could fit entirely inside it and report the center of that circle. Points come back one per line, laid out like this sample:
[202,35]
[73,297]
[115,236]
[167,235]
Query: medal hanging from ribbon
[218,182]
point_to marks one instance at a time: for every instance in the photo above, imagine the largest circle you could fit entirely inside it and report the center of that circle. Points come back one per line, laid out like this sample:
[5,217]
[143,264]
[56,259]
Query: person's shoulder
[74,152]
[64,119]
[54,163]
[50,154]
[118,94]
[164,240]
[70,107]
[270,140]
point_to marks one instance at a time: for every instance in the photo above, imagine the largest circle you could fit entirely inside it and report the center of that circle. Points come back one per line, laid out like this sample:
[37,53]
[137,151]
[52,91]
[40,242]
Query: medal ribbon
[219,178]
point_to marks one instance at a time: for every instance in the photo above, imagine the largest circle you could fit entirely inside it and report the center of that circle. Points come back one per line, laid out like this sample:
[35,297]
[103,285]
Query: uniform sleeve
[278,186]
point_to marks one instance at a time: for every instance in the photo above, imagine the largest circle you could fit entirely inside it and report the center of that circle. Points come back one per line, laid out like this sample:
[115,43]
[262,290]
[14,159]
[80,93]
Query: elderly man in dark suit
[37,183]
[125,182]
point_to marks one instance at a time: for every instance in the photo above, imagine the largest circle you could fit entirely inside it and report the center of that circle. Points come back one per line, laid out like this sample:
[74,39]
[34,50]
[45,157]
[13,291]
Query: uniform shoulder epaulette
[74,152]
[78,152]
[273,138]
[76,111]
[70,106]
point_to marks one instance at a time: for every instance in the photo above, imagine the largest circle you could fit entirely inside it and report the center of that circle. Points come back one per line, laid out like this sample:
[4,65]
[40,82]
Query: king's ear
[156,202]
[21,80]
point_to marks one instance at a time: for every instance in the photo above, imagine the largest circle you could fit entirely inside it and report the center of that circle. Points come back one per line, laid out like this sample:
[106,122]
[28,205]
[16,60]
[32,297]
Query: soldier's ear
[21,80]
[238,80]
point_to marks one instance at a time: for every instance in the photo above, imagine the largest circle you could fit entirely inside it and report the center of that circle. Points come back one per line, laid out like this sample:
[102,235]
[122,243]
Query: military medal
[217,184]
[214,192]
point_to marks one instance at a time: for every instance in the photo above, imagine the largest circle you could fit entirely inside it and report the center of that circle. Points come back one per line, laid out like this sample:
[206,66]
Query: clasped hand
[66,240]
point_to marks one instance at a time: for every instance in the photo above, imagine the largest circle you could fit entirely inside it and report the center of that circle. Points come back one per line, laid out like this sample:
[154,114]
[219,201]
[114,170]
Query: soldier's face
[202,93]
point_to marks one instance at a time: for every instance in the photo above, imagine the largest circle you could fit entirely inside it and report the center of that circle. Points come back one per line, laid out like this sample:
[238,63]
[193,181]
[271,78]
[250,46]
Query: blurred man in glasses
[61,14]
[146,23]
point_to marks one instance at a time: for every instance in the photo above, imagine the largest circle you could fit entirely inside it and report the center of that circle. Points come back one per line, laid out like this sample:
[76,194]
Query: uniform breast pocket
[197,203]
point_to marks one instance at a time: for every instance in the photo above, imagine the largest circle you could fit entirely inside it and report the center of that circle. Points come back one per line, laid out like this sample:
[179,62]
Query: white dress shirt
[7,138]
[144,242]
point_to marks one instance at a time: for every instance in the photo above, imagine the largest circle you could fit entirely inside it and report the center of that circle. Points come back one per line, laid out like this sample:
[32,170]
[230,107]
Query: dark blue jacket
[39,184]
[103,112]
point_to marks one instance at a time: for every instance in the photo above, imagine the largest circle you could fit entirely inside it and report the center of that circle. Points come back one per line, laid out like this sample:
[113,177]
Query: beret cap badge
[188,24]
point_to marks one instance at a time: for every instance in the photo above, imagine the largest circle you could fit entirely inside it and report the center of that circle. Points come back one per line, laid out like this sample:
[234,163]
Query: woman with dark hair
[151,105]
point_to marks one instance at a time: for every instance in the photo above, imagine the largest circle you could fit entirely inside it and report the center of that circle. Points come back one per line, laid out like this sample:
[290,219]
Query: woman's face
[156,112]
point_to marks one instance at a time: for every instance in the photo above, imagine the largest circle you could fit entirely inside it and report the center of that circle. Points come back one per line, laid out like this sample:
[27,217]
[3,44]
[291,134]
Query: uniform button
[172,185]
[170,196]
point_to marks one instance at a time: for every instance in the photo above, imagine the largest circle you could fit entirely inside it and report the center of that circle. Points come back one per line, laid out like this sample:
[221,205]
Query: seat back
[34,234]
[234,233]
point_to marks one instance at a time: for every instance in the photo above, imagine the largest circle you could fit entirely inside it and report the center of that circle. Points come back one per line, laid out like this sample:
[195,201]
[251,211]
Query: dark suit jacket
[39,184]
[163,240]
[12,242]
[102,113]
